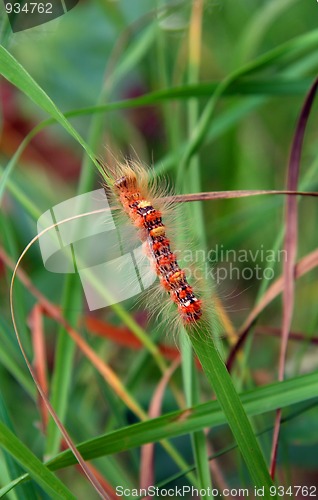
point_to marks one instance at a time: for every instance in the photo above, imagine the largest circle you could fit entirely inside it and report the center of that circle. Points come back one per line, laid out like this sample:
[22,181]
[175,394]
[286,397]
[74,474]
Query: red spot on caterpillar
[153,216]
[158,246]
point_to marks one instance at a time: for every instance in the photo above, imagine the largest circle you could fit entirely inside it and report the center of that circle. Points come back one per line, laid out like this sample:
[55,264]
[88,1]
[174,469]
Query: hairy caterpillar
[129,183]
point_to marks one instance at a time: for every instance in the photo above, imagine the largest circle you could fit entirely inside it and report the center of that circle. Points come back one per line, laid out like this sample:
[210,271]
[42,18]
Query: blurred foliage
[105,51]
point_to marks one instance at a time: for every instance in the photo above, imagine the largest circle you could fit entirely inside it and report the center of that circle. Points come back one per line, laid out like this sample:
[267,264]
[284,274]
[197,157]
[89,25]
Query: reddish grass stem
[291,235]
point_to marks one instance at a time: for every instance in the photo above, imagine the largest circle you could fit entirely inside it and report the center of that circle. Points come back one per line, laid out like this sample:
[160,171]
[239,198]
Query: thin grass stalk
[287,49]
[291,235]
[190,375]
[108,375]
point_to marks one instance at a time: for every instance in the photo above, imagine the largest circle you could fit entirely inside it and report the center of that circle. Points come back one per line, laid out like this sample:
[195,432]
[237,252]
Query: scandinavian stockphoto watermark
[81,236]
[25,14]
[223,264]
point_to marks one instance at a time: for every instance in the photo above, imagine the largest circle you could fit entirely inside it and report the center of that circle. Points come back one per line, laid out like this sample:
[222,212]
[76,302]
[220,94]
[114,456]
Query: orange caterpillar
[132,191]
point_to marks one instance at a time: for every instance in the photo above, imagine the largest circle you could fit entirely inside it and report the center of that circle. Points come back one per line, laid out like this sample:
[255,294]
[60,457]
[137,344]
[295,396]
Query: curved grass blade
[39,472]
[16,74]
[256,402]
[290,245]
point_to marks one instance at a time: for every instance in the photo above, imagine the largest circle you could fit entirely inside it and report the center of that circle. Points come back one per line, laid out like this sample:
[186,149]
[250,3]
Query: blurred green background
[104,52]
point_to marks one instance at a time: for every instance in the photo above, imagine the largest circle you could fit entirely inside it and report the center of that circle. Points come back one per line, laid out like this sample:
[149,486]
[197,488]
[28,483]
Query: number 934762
[29,8]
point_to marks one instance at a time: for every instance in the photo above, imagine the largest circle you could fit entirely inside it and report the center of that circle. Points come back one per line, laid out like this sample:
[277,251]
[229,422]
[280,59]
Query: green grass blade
[39,472]
[273,87]
[65,348]
[177,423]
[277,86]
[15,73]
[63,368]
[8,359]
[289,418]
[133,55]
[14,469]
[281,55]
[259,26]
[16,482]
[255,402]
[228,398]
